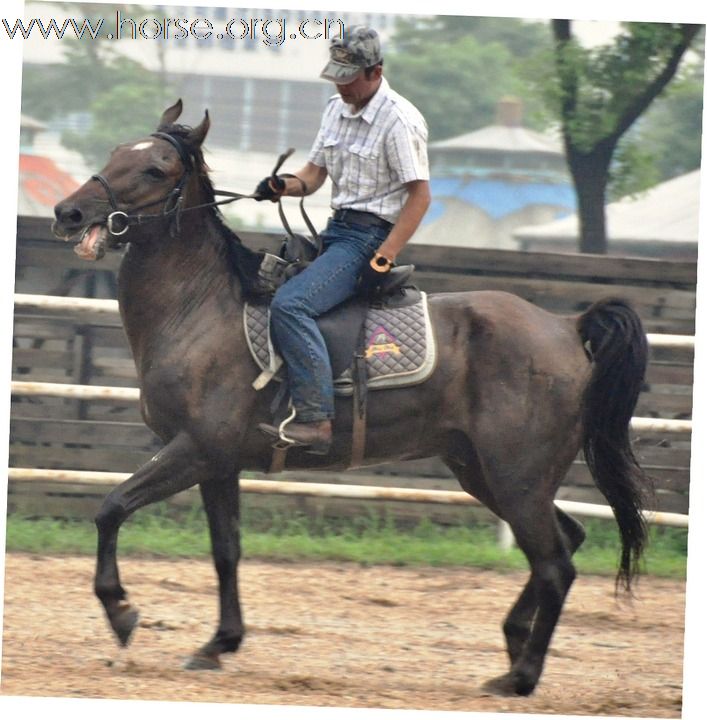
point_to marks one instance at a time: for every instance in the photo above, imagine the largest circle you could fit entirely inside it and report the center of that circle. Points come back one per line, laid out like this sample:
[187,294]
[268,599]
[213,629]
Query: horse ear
[197,134]
[170,115]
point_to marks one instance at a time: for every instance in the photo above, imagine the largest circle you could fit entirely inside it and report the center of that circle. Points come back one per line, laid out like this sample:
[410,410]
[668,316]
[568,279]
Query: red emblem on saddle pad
[381,342]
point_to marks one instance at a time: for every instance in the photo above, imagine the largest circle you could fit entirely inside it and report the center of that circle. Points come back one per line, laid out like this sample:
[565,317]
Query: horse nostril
[70,215]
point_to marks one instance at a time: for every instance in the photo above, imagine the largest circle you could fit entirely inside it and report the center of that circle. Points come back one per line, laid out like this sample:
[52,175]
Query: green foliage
[128,110]
[596,91]
[455,70]
[633,169]
[521,38]
[122,97]
[51,90]
[672,128]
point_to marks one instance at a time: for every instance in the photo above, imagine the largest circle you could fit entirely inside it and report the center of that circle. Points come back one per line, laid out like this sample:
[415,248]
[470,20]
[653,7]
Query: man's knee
[288,304]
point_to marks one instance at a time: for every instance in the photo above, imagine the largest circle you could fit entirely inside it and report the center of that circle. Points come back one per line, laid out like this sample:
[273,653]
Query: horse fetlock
[109,593]
[223,642]
[208,656]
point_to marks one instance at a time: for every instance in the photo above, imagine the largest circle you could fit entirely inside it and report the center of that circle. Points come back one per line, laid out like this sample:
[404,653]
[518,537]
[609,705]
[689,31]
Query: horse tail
[613,335]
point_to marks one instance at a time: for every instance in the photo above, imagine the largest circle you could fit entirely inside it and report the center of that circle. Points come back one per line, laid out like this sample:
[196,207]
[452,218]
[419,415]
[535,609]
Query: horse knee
[111,514]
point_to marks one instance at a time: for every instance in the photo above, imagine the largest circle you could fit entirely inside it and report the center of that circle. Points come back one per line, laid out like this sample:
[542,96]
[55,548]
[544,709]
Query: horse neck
[166,282]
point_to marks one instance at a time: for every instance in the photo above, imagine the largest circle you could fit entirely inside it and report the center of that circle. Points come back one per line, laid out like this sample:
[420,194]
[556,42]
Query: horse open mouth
[92,243]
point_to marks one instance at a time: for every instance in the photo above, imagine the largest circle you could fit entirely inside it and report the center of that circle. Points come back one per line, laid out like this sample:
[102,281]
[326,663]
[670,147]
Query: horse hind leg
[221,502]
[464,464]
[173,469]
[519,622]
[551,576]
[548,546]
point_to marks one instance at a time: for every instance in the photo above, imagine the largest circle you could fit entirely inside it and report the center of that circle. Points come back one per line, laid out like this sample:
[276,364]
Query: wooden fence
[108,435]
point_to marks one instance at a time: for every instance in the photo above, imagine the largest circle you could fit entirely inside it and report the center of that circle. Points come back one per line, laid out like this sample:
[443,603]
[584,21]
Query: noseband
[119,222]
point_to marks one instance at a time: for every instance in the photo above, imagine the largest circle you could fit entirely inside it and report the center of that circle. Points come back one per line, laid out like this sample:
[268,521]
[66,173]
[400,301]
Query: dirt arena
[338,635]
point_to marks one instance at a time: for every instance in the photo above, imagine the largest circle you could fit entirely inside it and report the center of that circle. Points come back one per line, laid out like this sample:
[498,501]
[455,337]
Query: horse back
[495,327]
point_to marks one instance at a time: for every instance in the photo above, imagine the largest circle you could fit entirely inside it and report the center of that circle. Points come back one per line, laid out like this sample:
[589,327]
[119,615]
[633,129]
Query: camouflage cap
[359,48]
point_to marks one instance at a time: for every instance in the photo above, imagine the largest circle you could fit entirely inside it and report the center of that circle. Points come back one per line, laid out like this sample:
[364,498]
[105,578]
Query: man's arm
[313,177]
[410,217]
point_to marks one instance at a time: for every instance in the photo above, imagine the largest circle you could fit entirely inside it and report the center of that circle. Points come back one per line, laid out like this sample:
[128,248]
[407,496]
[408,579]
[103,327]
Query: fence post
[506,540]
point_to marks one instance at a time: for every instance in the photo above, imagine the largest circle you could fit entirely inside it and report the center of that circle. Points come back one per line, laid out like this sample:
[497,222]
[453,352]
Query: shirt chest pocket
[364,167]
[332,156]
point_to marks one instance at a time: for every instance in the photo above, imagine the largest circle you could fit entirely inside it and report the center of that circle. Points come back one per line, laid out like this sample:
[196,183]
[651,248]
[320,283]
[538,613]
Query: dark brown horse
[516,393]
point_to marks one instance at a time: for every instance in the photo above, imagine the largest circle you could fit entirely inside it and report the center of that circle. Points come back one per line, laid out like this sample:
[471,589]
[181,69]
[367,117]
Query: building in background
[42,183]
[489,182]
[660,223]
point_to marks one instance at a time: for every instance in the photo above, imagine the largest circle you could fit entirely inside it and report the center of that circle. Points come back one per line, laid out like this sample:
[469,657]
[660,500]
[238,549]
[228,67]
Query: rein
[118,222]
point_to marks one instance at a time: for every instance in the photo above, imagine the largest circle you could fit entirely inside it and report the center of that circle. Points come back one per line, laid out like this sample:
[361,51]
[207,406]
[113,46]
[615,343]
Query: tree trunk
[590,173]
[590,168]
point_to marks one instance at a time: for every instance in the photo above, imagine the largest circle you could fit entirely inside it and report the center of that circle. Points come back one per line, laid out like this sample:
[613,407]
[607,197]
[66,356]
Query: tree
[129,109]
[675,123]
[457,82]
[599,94]
[121,95]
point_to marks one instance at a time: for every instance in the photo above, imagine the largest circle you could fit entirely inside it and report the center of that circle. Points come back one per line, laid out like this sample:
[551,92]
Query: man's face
[361,89]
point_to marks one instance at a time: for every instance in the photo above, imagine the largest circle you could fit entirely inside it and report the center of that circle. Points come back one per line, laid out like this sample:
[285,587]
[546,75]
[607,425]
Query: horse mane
[244,261]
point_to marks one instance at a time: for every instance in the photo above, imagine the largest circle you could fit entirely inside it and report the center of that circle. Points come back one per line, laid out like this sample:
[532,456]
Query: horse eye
[155,173]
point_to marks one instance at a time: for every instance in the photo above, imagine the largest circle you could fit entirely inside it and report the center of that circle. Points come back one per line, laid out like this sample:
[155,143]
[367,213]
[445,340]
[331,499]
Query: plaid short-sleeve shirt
[370,154]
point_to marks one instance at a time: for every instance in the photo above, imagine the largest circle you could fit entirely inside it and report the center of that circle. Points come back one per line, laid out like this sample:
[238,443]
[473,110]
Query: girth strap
[359,406]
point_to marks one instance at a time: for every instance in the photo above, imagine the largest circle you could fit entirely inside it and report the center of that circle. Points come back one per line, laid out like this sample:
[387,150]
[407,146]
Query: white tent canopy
[669,213]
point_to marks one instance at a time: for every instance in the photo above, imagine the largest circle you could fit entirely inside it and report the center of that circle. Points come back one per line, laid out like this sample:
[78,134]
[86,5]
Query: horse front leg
[176,467]
[221,502]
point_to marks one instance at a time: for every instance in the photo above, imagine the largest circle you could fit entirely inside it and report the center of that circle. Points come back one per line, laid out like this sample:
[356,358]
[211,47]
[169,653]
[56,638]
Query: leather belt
[359,217]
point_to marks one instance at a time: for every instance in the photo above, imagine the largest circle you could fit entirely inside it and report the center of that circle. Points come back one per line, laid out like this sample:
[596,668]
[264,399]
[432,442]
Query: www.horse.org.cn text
[271,31]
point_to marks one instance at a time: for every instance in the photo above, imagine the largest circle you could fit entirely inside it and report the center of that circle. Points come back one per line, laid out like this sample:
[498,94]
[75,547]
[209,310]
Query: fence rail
[330,490]
[110,307]
[104,392]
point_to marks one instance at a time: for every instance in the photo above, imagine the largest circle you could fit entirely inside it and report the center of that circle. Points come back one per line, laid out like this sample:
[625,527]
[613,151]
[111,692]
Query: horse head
[153,174]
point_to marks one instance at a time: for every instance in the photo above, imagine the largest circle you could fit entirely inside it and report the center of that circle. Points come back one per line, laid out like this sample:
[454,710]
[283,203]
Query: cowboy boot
[314,436]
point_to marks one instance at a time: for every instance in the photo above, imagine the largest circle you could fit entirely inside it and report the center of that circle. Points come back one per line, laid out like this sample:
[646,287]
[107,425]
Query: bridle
[118,222]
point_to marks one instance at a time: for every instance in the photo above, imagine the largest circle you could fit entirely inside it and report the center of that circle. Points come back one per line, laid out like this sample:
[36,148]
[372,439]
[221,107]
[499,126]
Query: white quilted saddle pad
[399,345]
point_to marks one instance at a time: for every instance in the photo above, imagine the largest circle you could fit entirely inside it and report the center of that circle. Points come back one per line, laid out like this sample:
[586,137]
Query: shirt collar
[369,110]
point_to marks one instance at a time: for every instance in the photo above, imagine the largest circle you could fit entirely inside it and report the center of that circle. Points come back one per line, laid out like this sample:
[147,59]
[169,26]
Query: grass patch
[369,539]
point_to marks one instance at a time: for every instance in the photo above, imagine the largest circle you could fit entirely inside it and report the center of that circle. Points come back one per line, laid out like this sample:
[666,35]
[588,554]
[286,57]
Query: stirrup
[284,443]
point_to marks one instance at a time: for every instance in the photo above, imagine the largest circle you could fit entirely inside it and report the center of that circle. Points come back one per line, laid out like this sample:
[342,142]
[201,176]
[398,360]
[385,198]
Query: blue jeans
[327,282]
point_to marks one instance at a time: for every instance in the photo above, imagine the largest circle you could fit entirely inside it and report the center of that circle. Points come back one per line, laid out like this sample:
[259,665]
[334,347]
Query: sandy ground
[338,635]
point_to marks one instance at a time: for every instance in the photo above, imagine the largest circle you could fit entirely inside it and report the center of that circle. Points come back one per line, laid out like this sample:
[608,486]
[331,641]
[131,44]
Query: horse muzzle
[93,235]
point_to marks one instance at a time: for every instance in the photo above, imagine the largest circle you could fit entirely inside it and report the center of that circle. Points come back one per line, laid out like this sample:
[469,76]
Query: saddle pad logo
[381,342]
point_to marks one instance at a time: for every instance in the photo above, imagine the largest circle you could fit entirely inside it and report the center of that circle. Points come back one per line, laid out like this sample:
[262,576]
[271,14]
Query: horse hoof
[123,623]
[203,662]
[508,685]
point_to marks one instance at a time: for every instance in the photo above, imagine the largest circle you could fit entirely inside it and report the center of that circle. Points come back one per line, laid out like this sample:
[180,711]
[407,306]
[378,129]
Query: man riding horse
[372,143]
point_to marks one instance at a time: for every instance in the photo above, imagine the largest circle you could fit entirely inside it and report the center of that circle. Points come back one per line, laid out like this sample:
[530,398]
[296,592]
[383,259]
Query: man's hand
[270,188]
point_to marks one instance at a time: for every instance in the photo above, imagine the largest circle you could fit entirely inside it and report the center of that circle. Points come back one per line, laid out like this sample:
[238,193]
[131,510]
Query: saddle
[374,342]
